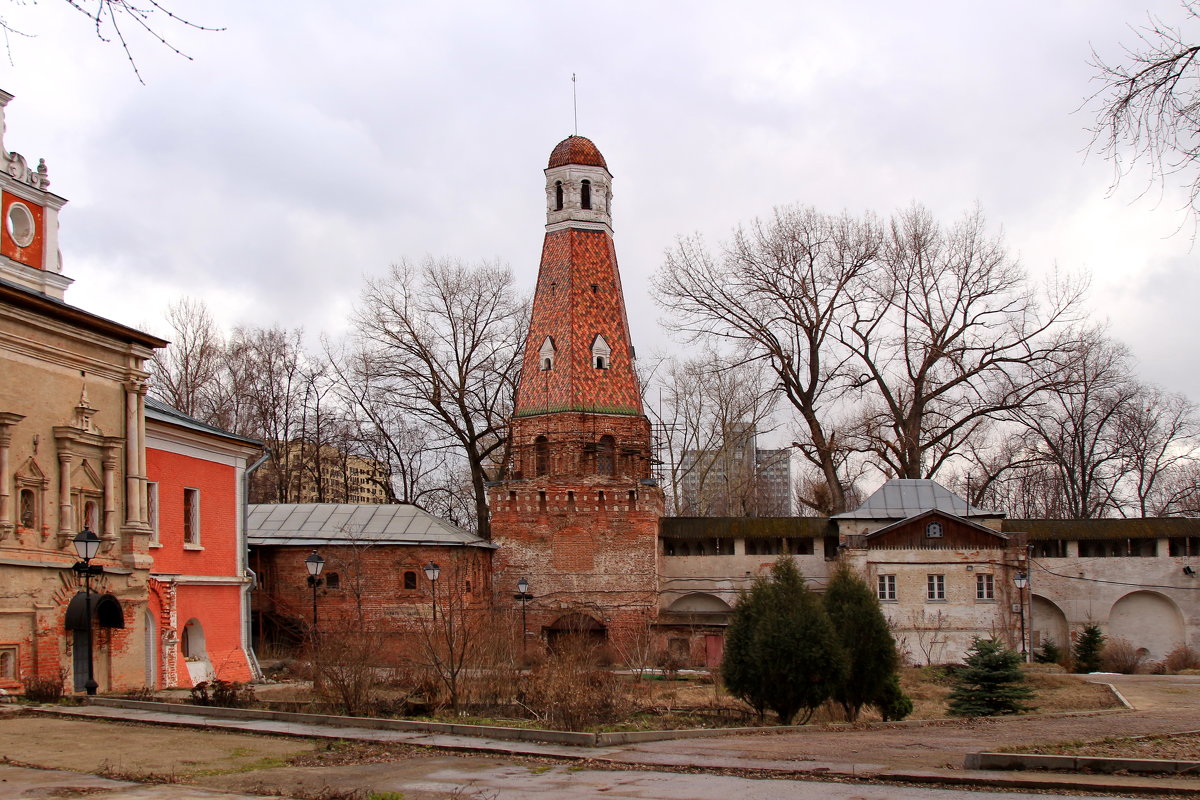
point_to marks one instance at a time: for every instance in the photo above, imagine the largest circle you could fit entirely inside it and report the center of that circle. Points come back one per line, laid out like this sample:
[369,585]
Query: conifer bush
[1088,649]
[991,683]
[781,651]
[872,660]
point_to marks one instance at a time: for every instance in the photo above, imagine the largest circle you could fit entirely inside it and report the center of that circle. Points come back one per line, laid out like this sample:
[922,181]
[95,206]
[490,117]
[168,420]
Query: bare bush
[48,689]
[569,691]
[1181,658]
[346,670]
[1121,656]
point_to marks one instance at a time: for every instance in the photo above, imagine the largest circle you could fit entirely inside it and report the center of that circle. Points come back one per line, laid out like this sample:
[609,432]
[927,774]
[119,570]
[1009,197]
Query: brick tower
[579,518]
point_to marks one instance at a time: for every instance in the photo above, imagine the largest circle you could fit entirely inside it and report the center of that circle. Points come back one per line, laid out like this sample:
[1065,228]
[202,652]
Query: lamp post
[524,596]
[1021,581]
[433,571]
[314,563]
[87,544]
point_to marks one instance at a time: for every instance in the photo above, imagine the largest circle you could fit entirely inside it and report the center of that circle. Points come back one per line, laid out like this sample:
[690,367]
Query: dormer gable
[546,355]
[601,353]
[932,530]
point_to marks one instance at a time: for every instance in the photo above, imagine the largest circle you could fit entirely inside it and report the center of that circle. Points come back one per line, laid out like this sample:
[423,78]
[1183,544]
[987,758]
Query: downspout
[244,557]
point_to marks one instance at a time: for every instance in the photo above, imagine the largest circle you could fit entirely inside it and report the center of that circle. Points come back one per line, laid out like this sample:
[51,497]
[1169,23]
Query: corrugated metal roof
[1076,529]
[904,498]
[313,524]
[158,410]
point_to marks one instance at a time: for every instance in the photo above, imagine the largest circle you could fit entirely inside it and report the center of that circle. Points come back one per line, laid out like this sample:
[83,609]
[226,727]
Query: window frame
[885,588]
[935,587]
[152,499]
[191,519]
[985,587]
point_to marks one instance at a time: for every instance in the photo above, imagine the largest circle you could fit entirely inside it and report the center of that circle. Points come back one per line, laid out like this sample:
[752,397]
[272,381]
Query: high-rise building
[738,479]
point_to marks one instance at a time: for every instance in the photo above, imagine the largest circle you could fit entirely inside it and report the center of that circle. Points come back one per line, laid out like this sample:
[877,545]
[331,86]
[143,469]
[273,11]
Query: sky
[309,145]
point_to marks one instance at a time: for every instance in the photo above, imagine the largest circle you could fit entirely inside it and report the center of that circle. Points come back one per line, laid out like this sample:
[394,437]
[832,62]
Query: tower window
[541,456]
[546,355]
[585,194]
[410,580]
[606,452]
[558,196]
[601,353]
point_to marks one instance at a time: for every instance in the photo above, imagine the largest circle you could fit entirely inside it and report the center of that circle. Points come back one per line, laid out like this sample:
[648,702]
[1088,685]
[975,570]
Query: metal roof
[1076,529]
[904,498]
[160,411]
[312,524]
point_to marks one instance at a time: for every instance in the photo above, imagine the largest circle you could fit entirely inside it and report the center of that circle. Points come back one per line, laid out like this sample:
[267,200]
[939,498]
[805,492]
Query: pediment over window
[601,353]
[85,477]
[546,354]
[31,472]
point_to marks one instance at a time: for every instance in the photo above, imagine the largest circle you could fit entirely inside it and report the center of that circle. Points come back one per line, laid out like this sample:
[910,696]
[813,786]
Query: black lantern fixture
[524,596]
[433,572]
[314,564]
[1021,581]
[87,545]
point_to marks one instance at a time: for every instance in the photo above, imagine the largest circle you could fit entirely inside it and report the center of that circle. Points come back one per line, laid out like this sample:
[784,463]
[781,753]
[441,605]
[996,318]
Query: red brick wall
[219,514]
[370,578]
[218,609]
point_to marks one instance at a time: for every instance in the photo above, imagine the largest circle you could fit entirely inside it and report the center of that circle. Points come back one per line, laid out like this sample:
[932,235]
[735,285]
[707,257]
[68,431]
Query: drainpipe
[247,640]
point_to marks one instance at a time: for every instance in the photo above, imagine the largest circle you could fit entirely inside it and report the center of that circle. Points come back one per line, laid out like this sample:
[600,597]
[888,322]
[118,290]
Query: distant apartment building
[302,472]
[736,480]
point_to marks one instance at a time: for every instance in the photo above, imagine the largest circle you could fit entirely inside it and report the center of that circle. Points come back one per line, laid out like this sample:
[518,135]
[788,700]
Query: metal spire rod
[575,103]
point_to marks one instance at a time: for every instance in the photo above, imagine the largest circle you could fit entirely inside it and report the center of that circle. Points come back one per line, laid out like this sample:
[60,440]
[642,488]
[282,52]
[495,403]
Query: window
[1052,548]
[601,353]
[887,587]
[585,194]
[191,517]
[933,530]
[546,355]
[935,587]
[1187,546]
[410,580]
[541,456]
[91,516]
[606,456]
[8,662]
[558,196]
[28,509]
[333,580]
[985,587]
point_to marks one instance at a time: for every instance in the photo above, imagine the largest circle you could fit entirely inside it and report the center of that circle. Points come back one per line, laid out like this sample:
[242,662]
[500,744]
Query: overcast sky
[307,146]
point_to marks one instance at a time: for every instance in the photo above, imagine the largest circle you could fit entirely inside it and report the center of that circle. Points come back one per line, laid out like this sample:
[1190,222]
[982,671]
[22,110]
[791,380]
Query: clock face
[933,530]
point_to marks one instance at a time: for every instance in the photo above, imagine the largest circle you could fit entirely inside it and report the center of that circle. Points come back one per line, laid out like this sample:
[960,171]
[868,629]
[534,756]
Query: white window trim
[985,590]
[935,588]
[197,542]
[885,588]
[152,499]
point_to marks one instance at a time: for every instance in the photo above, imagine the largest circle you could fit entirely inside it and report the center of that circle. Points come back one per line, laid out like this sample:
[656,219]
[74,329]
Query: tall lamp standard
[433,571]
[1021,581]
[524,596]
[314,563]
[87,544]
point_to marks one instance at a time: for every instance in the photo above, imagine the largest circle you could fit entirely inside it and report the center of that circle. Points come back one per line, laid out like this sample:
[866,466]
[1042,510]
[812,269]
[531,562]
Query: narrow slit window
[541,456]
[585,194]
[558,196]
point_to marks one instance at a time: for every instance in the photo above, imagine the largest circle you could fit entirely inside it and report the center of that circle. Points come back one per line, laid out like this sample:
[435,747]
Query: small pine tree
[1088,648]
[870,649]
[893,703]
[1049,654]
[781,651]
[991,683]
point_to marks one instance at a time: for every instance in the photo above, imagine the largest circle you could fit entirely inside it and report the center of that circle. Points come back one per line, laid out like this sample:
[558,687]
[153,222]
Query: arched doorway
[195,654]
[696,623]
[1047,623]
[575,630]
[1147,620]
[151,650]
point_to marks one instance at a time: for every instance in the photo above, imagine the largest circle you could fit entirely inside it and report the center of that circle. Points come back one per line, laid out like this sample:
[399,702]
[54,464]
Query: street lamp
[1021,581]
[87,544]
[433,571]
[314,563]
[524,596]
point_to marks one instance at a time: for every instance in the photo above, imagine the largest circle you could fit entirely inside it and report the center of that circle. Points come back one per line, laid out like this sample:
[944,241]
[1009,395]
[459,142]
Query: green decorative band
[622,410]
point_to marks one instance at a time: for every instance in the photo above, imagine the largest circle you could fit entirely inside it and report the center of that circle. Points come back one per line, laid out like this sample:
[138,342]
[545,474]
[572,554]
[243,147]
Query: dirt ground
[304,768]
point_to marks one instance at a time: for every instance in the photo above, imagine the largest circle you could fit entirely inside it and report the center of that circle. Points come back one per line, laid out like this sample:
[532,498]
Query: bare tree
[949,334]
[1158,437]
[778,291]
[186,375]
[1076,428]
[1148,106]
[447,343]
[709,408]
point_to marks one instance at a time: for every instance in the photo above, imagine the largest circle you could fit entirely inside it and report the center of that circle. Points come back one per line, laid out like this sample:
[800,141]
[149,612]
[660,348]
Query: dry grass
[1180,747]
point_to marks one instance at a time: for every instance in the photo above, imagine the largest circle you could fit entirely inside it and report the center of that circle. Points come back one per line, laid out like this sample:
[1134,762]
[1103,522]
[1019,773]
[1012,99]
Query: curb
[1024,761]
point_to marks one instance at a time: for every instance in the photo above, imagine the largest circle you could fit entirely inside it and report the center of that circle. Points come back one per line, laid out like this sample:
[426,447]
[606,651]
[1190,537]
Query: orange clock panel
[21,235]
